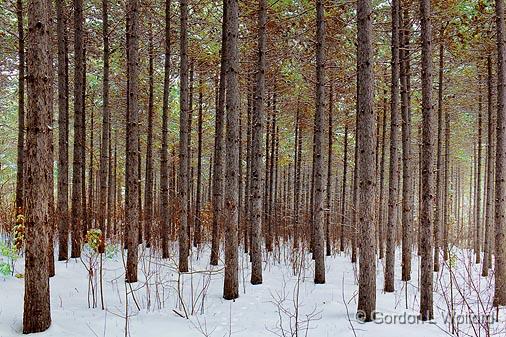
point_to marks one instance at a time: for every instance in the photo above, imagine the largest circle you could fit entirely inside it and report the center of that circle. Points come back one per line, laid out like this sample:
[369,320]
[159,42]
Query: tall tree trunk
[165,213]
[219,144]
[231,282]
[366,157]
[380,206]
[500,197]
[393,182]
[330,134]
[183,141]
[438,223]
[63,134]
[477,234]
[319,188]
[21,108]
[198,225]
[104,144]
[490,173]
[148,186]
[38,169]
[79,129]
[407,166]
[132,142]
[257,151]
[426,306]
[343,193]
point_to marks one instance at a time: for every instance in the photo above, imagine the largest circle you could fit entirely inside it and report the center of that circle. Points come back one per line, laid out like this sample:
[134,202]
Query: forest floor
[166,303]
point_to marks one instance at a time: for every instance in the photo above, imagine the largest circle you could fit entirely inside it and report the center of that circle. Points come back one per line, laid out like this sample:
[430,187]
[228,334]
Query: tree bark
[132,142]
[219,144]
[426,305]
[366,157]
[21,108]
[500,192]
[393,193]
[231,282]
[79,118]
[319,187]
[104,145]
[257,151]
[38,169]
[165,213]
[63,134]
[183,140]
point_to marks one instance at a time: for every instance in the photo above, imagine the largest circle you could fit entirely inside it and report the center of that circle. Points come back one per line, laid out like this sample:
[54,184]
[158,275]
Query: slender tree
[231,282]
[219,144]
[132,142]
[426,305]
[21,107]
[63,133]
[183,140]
[104,144]
[500,188]
[366,169]
[257,169]
[164,161]
[38,169]
[319,187]
[393,193]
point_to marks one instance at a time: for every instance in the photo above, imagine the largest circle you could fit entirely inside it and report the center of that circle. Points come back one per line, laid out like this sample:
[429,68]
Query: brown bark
[183,140]
[231,282]
[219,145]
[257,170]
[426,305]
[393,193]
[148,186]
[38,169]
[132,142]
[79,130]
[165,213]
[319,187]
[366,169]
[500,197]
[63,134]
[21,108]
[407,166]
[489,204]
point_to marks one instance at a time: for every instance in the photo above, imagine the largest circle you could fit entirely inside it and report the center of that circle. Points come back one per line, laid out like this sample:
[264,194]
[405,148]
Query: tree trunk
[330,135]
[257,151]
[219,144]
[38,169]
[489,206]
[366,138]
[426,306]
[63,134]
[198,226]
[319,188]
[407,166]
[393,182]
[104,144]
[21,108]
[79,118]
[148,186]
[165,213]
[183,141]
[132,142]
[500,197]
[231,282]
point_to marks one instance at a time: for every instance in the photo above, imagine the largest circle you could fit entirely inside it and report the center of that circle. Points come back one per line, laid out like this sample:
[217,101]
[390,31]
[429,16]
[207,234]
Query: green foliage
[111,251]
[94,238]
[5,269]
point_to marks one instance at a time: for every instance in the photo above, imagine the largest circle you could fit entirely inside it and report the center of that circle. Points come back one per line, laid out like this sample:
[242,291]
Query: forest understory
[165,302]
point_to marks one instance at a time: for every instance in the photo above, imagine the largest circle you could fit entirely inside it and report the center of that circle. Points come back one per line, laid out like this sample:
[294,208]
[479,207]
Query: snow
[261,310]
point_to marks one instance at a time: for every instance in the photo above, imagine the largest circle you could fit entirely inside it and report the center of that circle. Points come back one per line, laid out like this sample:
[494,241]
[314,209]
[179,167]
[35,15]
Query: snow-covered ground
[159,304]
